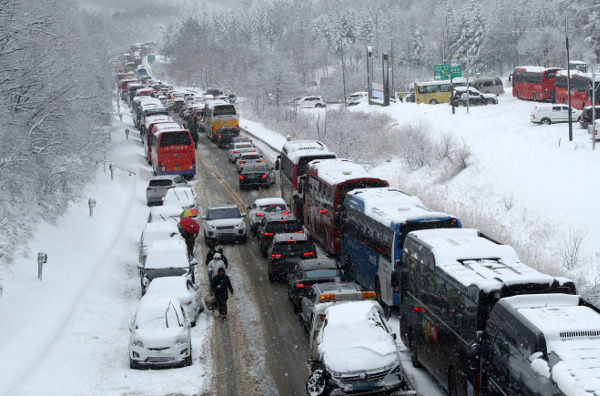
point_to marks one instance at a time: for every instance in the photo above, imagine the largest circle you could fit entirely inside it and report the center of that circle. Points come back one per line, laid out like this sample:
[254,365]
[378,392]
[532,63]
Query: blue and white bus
[375,222]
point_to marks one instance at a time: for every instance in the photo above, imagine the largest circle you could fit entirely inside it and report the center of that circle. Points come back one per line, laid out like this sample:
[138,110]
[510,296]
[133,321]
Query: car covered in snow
[357,353]
[159,185]
[183,289]
[164,213]
[357,97]
[166,257]
[156,231]
[474,97]
[160,334]
[182,196]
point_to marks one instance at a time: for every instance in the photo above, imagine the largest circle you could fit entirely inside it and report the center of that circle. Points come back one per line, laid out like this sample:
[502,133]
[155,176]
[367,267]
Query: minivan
[489,85]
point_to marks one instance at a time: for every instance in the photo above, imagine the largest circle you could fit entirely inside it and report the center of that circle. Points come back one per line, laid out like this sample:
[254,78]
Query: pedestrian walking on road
[214,266]
[220,286]
[209,255]
[223,258]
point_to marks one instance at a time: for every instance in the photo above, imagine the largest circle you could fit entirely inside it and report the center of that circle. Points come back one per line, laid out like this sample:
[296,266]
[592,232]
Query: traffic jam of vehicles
[353,253]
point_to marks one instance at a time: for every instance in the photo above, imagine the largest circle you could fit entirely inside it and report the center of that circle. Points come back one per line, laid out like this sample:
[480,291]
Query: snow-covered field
[68,333]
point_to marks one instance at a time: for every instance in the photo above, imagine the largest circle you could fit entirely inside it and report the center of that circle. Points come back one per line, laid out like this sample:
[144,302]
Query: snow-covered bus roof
[472,259]
[573,72]
[390,207]
[436,82]
[338,170]
[167,127]
[572,332]
[296,149]
[535,69]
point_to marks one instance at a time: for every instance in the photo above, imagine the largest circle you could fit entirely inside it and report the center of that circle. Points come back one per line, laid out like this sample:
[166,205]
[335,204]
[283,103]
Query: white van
[551,113]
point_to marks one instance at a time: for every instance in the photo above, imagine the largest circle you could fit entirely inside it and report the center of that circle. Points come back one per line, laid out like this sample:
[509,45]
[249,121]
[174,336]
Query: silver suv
[224,222]
[159,185]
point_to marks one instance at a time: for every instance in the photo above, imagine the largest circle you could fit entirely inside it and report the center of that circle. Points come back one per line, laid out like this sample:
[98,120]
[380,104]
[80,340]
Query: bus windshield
[227,110]
[424,225]
[181,138]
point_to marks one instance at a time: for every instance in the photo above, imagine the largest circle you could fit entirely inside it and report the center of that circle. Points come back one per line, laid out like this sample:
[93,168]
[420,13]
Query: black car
[272,224]
[225,136]
[307,273]
[284,249]
[260,175]
[586,116]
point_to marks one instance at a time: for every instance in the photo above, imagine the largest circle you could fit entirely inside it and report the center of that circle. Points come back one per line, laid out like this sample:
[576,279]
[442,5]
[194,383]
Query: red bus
[325,187]
[172,151]
[292,163]
[581,89]
[534,83]
[147,130]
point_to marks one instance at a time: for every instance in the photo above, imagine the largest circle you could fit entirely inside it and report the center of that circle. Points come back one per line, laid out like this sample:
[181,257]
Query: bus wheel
[534,97]
[433,101]
[414,353]
[518,94]
[348,270]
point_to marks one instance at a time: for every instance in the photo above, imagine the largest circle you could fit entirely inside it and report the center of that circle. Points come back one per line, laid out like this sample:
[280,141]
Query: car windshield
[249,157]
[255,169]
[160,183]
[224,213]
[273,208]
[321,273]
[243,146]
[288,247]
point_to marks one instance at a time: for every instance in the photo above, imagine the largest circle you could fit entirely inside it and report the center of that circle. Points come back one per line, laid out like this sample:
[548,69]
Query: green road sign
[151,58]
[442,72]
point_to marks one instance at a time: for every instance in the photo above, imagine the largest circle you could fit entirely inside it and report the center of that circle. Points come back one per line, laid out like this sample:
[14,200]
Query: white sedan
[262,206]
[239,148]
[155,232]
[160,334]
[309,102]
[251,158]
[183,289]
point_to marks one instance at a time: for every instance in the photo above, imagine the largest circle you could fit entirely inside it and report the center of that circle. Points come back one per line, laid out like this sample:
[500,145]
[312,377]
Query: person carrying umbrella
[189,230]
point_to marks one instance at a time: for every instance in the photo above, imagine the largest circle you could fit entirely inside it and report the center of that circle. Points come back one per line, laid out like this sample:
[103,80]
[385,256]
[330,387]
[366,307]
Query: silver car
[224,222]
[239,148]
[159,185]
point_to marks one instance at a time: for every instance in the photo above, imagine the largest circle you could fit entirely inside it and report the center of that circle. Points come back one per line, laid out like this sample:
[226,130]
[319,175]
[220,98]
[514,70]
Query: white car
[262,206]
[356,352]
[160,334]
[164,213]
[155,232]
[183,289]
[182,196]
[251,158]
[551,113]
[167,257]
[239,148]
[358,97]
[224,222]
[309,102]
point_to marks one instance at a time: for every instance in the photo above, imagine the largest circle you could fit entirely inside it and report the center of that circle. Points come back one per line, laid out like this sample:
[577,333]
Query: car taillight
[264,176]
[188,303]
[302,285]
[252,150]
[236,152]
[275,255]
[268,234]
[286,212]
[308,254]
[259,160]
[323,211]
[260,215]
[417,309]
[241,177]
[299,232]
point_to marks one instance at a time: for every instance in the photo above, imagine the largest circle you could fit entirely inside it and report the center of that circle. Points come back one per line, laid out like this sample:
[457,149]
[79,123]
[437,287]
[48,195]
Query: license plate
[177,168]
[364,385]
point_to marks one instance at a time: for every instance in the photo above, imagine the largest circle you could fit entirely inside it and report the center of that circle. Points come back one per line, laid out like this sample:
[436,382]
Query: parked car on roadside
[475,97]
[586,116]
[183,289]
[166,257]
[357,97]
[552,113]
[224,222]
[309,102]
[262,207]
[307,273]
[285,247]
[159,185]
[160,334]
[182,196]
[164,213]
[260,175]
[156,231]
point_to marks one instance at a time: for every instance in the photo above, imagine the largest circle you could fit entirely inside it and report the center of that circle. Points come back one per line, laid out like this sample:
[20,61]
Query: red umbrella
[190,225]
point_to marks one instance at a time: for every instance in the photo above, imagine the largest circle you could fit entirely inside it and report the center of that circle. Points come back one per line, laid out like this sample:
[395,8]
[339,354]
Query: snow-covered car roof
[183,196]
[169,286]
[164,213]
[167,253]
[270,201]
[355,337]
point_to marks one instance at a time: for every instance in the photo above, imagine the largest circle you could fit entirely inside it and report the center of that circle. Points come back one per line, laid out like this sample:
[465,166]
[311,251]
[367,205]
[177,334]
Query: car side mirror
[140,266]
[194,262]
[244,214]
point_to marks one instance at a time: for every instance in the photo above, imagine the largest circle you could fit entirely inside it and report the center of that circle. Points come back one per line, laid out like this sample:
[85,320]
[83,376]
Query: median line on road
[232,193]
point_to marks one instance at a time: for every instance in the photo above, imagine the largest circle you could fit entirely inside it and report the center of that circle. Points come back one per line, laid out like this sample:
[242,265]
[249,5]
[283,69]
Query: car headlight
[239,225]
[182,339]
[211,227]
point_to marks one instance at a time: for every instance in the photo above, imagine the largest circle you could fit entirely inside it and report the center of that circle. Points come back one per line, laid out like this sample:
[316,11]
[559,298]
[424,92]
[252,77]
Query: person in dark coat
[223,258]
[210,254]
[190,241]
[220,286]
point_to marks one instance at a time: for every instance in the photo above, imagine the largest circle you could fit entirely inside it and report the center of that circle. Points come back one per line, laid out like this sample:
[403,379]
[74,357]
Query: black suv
[284,251]
[307,273]
[225,135]
[586,116]
[273,224]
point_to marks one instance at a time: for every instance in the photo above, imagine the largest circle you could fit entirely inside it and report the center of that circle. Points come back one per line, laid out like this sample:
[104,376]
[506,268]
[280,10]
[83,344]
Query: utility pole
[568,79]
[386,80]
[369,77]
[593,106]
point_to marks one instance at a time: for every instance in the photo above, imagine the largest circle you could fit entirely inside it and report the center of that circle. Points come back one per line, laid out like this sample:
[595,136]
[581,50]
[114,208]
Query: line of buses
[451,285]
